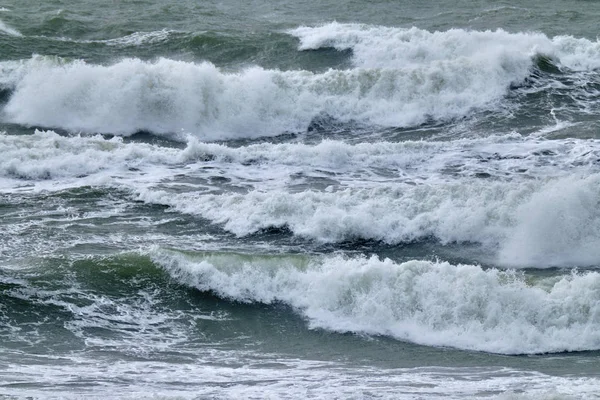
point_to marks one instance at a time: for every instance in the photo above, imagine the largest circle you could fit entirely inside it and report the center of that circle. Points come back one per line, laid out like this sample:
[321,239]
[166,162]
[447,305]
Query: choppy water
[299,200]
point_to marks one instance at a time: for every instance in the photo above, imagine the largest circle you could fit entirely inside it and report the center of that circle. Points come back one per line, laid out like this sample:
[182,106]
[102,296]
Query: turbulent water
[299,199]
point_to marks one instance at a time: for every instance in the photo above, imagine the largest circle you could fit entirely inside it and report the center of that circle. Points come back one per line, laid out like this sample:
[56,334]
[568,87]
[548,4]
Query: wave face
[400,78]
[430,303]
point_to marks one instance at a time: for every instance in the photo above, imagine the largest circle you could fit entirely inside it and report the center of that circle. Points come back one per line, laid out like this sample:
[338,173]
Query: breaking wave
[167,96]
[387,47]
[401,78]
[529,202]
[430,303]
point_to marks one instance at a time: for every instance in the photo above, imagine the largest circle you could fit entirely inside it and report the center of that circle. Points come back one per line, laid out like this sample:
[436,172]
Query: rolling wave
[400,78]
[167,96]
[520,224]
[430,303]
[423,302]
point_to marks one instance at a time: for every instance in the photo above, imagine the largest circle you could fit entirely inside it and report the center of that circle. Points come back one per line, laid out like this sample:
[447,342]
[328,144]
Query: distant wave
[133,39]
[429,303]
[7,30]
[386,47]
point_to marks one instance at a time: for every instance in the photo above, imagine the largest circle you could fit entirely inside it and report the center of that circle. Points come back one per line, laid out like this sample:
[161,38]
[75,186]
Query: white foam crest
[429,303]
[577,54]
[13,71]
[557,225]
[537,223]
[139,38]
[169,96]
[534,207]
[45,155]
[7,30]
[377,46]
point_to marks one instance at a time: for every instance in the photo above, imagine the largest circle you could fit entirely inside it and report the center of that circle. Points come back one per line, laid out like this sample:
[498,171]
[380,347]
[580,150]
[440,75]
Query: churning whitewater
[216,200]
[530,202]
[399,78]
[429,303]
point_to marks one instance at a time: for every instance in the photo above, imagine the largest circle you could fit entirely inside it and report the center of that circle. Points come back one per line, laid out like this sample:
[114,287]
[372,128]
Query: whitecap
[424,302]
[7,30]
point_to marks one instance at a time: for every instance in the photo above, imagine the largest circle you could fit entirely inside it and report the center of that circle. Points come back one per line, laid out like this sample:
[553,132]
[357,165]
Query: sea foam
[388,47]
[429,303]
[167,96]
[529,202]
[46,154]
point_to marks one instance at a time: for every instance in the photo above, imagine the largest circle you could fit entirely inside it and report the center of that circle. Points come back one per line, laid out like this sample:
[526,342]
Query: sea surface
[299,199]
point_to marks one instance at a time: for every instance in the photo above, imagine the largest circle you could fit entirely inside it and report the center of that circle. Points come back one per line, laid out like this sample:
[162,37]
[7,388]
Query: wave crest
[387,47]
[167,96]
[430,303]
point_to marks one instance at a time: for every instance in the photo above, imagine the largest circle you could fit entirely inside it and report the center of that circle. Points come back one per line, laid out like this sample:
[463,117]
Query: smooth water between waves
[216,201]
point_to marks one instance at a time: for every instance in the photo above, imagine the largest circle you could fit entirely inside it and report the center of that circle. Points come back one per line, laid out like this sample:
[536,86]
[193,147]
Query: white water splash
[7,30]
[430,303]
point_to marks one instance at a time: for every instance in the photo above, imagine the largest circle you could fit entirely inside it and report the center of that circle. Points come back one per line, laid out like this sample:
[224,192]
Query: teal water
[299,200]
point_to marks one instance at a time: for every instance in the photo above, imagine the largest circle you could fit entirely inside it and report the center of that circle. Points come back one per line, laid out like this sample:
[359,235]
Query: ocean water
[299,199]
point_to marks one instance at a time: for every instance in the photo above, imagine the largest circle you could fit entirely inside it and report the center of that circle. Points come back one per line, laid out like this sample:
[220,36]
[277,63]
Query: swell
[430,303]
[128,301]
[399,78]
